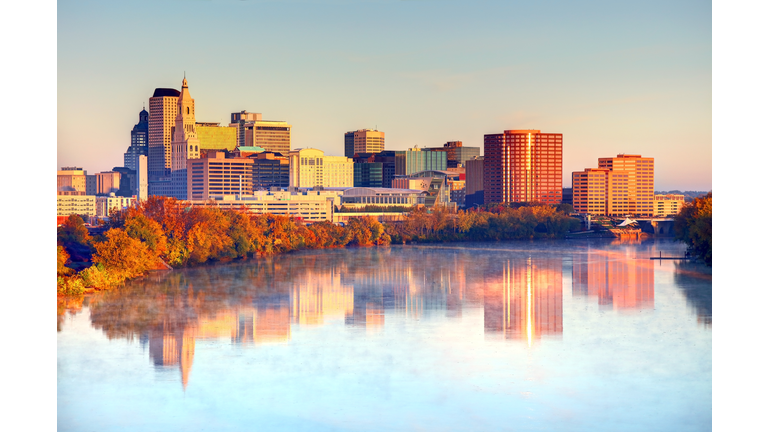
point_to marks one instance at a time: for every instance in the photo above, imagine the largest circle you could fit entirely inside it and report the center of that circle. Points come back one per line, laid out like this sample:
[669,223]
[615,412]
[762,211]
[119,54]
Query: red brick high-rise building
[523,166]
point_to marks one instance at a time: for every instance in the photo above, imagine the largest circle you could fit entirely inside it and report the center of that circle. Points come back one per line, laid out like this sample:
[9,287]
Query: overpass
[657,226]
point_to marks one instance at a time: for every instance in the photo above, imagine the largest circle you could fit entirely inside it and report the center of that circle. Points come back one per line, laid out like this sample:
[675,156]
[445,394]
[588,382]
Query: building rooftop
[166,92]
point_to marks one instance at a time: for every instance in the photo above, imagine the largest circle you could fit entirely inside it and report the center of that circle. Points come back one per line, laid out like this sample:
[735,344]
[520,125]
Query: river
[583,335]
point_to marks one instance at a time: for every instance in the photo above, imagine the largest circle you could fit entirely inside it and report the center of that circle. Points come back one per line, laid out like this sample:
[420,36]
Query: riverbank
[178,235]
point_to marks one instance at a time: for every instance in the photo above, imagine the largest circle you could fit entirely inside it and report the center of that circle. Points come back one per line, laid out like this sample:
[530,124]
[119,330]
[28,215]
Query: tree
[693,226]
[148,231]
[73,231]
[61,260]
[122,255]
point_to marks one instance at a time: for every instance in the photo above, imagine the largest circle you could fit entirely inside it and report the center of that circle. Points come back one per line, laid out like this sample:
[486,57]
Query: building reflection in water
[258,303]
[616,281]
[525,301]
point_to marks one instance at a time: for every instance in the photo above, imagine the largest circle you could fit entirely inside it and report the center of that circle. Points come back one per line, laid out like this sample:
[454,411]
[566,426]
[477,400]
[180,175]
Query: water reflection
[695,282]
[617,281]
[525,301]
[520,293]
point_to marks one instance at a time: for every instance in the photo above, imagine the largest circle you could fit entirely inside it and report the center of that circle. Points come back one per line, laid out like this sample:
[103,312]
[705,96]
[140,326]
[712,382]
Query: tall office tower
[620,186]
[212,136]
[416,159]
[523,166]
[185,145]
[474,178]
[363,141]
[163,107]
[139,139]
[252,131]
[457,153]
[310,167]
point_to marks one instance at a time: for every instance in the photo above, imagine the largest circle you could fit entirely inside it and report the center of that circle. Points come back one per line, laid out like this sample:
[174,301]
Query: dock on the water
[671,258]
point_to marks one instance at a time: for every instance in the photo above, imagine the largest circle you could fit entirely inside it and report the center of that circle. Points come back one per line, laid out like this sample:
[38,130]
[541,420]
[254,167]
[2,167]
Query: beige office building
[363,141]
[668,205]
[71,179]
[107,182]
[217,175]
[163,107]
[107,204]
[311,206]
[253,131]
[620,186]
[84,205]
[310,167]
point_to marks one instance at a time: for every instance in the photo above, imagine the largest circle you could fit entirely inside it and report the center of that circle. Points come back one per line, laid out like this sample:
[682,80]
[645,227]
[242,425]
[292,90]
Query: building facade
[83,205]
[457,154]
[668,205]
[619,187]
[311,206]
[270,170]
[185,145]
[212,136]
[139,141]
[71,178]
[363,141]
[474,178]
[523,166]
[107,182]
[252,131]
[217,175]
[163,107]
[310,167]
[107,204]
[416,159]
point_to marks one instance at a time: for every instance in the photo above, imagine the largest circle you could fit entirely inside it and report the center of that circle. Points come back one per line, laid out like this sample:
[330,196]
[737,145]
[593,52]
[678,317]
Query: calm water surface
[571,335]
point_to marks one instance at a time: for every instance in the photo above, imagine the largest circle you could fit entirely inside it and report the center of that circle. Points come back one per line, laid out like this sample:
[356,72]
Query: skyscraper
[457,153]
[363,141]
[523,166]
[185,144]
[139,140]
[163,107]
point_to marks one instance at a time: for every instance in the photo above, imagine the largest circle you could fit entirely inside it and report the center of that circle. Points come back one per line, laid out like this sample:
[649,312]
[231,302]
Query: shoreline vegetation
[693,226]
[164,233]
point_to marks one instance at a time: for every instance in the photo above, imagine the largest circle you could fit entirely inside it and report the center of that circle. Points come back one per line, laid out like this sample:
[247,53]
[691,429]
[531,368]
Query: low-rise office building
[668,205]
[311,167]
[218,175]
[84,205]
[309,205]
[106,204]
[384,197]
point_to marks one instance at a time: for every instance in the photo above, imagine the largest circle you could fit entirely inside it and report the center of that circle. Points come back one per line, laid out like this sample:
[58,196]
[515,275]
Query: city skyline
[611,78]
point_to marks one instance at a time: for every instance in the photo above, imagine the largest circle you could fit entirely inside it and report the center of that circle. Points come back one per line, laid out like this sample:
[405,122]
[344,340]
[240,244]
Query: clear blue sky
[613,77]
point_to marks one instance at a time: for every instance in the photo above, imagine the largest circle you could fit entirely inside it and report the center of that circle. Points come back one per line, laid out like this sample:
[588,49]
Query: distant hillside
[689,195]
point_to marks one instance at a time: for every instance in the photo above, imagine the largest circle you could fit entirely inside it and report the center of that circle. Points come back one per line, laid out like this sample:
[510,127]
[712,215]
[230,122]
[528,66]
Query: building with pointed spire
[185,144]
[139,140]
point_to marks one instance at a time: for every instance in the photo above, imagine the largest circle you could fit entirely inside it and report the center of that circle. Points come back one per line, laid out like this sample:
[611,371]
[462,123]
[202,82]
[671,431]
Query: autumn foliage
[693,226]
[167,231]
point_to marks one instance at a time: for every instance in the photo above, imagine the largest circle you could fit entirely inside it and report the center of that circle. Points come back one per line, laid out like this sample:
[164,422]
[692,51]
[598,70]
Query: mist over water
[560,335]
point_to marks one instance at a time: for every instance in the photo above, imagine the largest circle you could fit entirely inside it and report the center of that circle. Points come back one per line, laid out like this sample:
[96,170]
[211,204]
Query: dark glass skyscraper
[139,140]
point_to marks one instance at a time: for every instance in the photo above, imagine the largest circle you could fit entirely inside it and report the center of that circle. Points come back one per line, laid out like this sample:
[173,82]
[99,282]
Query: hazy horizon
[612,78]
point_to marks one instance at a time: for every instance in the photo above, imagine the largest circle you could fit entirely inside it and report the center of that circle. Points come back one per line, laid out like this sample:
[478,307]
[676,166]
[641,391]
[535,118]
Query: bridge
[657,226]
